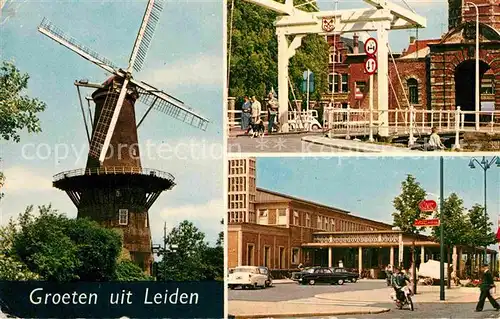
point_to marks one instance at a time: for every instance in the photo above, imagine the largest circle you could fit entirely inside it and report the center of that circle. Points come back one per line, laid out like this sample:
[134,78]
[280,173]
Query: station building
[279,231]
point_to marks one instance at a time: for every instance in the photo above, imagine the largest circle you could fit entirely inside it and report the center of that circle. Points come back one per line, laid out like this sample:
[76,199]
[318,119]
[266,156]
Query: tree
[61,249]
[407,211]
[479,232]
[192,259]
[253,64]
[406,205]
[128,271]
[455,226]
[17,111]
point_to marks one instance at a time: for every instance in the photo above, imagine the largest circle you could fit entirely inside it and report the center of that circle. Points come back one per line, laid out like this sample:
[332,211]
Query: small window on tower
[123,217]
[146,222]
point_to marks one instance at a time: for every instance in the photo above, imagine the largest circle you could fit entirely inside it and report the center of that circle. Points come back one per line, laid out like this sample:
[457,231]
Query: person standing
[246,113]
[272,108]
[486,284]
[256,109]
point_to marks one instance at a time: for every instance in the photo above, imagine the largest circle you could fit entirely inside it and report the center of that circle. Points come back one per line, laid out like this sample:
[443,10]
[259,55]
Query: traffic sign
[358,95]
[370,65]
[427,205]
[433,222]
[371,46]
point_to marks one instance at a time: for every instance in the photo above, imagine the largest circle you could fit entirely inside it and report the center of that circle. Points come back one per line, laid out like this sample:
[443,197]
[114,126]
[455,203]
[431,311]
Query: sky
[436,12]
[185,59]
[366,186]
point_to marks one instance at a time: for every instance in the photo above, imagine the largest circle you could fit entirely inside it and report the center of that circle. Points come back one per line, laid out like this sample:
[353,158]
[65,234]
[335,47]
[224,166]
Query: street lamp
[467,7]
[485,164]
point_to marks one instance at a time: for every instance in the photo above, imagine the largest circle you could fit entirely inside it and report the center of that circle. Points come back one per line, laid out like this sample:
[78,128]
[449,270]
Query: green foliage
[17,111]
[406,205]
[455,222]
[128,271]
[479,228]
[2,181]
[60,249]
[253,62]
[193,259]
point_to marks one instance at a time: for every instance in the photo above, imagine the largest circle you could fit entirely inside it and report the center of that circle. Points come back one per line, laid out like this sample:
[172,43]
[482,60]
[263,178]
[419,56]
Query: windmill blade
[106,123]
[50,30]
[169,105]
[145,34]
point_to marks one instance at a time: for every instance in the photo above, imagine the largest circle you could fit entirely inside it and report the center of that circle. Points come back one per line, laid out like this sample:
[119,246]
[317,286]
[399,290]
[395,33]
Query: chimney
[412,39]
[355,40]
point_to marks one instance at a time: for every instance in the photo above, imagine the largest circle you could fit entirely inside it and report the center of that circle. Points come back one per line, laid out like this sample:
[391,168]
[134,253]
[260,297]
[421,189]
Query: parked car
[265,271]
[247,277]
[351,276]
[298,274]
[322,275]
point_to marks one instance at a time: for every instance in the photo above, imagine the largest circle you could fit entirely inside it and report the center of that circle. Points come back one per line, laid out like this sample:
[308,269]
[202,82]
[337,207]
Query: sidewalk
[259,309]
[355,146]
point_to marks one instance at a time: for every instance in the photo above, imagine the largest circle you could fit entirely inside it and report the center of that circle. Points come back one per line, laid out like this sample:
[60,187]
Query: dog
[258,128]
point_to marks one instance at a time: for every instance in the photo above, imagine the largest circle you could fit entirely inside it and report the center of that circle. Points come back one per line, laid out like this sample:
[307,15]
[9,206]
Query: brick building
[280,231]
[431,73]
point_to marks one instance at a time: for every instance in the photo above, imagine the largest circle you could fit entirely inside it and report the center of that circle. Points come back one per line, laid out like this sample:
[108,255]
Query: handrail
[113,170]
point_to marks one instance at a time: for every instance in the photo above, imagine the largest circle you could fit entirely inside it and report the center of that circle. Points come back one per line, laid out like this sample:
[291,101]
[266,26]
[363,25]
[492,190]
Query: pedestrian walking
[486,284]
[246,114]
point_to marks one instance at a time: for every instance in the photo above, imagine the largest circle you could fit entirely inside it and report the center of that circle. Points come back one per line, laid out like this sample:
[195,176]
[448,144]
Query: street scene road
[364,299]
[291,143]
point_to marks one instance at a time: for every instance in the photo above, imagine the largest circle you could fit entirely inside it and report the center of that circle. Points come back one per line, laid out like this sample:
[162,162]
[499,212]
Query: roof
[275,197]
[419,45]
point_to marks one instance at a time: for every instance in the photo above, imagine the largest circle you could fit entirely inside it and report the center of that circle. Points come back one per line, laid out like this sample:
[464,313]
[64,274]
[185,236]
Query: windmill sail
[169,105]
[145,34]
[50,30]
[102,126]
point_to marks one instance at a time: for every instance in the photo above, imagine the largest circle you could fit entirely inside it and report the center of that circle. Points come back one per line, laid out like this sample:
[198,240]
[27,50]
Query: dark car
[351,276]
[298,274]
[265,271]
[322,275]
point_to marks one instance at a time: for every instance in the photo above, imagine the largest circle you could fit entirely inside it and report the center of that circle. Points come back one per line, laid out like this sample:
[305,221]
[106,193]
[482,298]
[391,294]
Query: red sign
[358,95]
[371,65]
[426,222]
[371,46]
[427,205]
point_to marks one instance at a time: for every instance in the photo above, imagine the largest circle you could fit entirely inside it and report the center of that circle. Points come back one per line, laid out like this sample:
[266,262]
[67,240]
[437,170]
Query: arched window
[412,85]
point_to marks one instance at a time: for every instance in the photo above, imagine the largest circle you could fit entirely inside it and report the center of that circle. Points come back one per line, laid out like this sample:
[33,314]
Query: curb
[341,147]
[312,314]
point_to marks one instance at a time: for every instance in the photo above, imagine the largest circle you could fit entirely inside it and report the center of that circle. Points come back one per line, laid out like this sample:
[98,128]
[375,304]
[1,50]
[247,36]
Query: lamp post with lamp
[467,8]
[485,164]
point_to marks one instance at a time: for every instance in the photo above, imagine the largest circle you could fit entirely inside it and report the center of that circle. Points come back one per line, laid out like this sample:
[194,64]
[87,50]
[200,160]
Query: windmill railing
[113,170]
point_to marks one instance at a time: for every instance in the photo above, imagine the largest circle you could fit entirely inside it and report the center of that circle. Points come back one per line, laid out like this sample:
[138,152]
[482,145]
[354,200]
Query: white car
[247,277]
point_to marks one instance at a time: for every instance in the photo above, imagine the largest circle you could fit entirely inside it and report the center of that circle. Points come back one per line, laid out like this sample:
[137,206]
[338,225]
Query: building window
[123,217]
[295,256]
[263,216]
[412,90]
[282,217]
[487,86]
[146,221]
[308,220]
[281,259]
[319,222]
[267,256]
[332,225]
[333,85]
[296,218]
[345,83]
[250,251]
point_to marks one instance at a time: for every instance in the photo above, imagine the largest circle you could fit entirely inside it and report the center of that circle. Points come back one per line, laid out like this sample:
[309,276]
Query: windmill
[114,189]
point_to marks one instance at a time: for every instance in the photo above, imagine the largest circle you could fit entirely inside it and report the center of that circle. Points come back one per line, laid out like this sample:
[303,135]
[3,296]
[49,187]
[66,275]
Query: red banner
[427,205]
[426,222]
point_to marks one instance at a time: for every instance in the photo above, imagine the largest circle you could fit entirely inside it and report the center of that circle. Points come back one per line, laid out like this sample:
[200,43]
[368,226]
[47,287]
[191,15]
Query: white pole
[477,68]
[307,87]
[457,128]
[382,81]
[371,109]
[283,57]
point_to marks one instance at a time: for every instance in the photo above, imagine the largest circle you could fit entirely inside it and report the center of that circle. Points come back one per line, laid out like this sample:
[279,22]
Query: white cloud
[189,71]
[205,216]
[23,179]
